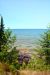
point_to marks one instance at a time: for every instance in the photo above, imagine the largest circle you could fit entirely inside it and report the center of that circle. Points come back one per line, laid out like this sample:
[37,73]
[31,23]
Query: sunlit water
[27,38]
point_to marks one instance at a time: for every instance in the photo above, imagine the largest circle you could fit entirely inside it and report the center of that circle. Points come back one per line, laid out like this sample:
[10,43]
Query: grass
[22,72]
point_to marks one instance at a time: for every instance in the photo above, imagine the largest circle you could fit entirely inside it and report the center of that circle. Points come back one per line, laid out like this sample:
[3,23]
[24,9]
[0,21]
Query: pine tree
[45,44]
[8,52]
[2,25]
[1,33]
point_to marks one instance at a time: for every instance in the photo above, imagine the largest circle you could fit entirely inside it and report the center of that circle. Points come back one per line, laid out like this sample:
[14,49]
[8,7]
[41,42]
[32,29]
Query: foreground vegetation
[9,55]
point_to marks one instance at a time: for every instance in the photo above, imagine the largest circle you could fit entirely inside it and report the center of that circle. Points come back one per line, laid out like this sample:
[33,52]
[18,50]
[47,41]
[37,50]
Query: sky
[25,14]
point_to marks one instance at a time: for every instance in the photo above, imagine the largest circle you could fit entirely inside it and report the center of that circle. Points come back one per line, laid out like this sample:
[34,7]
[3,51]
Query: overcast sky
[25,14]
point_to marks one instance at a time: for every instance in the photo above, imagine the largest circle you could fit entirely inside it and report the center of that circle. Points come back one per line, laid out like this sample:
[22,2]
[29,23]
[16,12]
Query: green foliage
[1,33]
[42,53]
[45,44]
[41,57]
[40,60]
[8,52]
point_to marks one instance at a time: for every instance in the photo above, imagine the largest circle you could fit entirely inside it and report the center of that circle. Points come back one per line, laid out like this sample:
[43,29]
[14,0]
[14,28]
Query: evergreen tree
[45,45]
[2,25]
[1,33]
[8,52]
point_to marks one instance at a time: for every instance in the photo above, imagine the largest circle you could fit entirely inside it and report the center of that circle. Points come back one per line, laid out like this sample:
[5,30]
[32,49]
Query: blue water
[28,31]
[27,37]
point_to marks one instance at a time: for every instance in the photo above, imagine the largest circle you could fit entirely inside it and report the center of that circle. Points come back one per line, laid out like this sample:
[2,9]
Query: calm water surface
[27,38]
